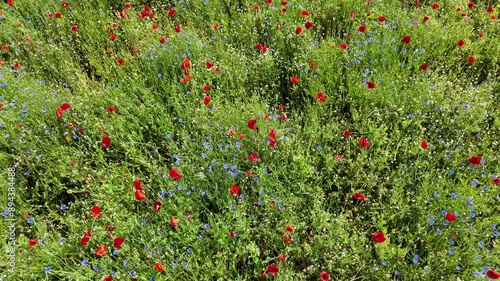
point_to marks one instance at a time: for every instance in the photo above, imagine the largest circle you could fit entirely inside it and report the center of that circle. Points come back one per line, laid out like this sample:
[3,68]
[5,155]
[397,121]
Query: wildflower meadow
[250,140]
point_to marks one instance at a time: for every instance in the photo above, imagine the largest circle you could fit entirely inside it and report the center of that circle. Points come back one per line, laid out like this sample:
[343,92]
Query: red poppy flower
[343,46]
[50,15]
[490,9]
[74,28]
[470,5]
[435,6]
[495,180]
[10,3]
[475,160]
[352,15]
[378,237]
[65,5]
[406,40]
[174,222]
[298,30]
[33,242]
[272,142]
[363,142]
[128,5]
[324,276]
[312,64]
[159,267]
[254,157]
[294,79]
[272,133]
[177,28]
[112,37]
[206,100]
[471,59]
[101,250]
[362,28]
[461,43]
[371,85]
[289,228]
[493,274]
[106,142]
[117,243]
[358,196]
[320,97]
[458,9]
[450,217]
[347,133]
[65,106]
[17,65]
[234,190]
[426,18]
[121,62]
[95,211]
[209,64]
[251,124]
[157,205]
[382,18]
[85,238]
[424,145]
[174,174]
[186,63]
[206,88]
[108,278]
[304,13]
[424,67]
[137,184]
[272,269]
[154,26]
[111,109]
[5,47]
[309,25]
[171,12]
[139,195]
[282,258]
[59,112]
[287,239]
[57,15]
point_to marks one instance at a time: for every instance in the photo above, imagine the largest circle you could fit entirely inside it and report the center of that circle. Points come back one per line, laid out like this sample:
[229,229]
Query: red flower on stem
[450,217]
[101,250]
[234,190]
[117,243]
[378,237]
[95,211]
[106,142]
[85,238]
[174,174]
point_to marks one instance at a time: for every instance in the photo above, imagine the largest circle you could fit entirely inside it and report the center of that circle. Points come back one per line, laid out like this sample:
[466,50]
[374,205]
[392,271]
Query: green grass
[307,180]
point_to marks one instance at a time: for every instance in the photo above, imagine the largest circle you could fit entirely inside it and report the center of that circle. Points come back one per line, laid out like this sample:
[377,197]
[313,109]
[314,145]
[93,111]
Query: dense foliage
[250,140]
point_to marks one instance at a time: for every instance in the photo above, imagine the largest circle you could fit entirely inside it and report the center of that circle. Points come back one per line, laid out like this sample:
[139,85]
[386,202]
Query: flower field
[250,140]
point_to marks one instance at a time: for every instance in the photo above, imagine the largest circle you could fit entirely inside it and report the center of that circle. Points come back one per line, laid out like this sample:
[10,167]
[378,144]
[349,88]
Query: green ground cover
[249,140]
